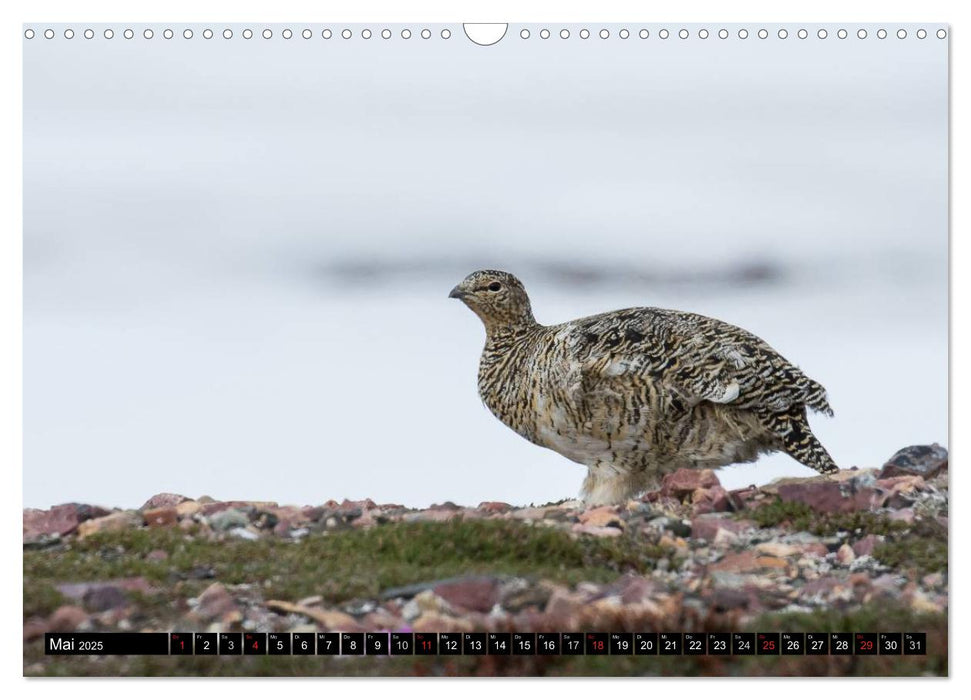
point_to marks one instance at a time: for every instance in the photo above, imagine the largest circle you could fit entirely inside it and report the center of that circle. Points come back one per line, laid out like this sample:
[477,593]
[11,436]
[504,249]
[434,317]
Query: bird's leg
[606,485]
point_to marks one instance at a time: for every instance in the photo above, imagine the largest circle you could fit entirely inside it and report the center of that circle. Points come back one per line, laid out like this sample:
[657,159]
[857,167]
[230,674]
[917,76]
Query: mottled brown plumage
[637,393]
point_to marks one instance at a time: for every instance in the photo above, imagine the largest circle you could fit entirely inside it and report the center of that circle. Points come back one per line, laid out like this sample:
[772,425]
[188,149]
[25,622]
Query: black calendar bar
[764,644]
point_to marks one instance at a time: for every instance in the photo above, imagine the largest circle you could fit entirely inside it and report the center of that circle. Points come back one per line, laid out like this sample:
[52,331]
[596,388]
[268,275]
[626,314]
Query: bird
[638,393]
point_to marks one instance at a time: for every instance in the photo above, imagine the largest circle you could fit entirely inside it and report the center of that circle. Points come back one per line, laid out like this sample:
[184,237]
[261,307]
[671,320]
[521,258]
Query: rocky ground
[865,550]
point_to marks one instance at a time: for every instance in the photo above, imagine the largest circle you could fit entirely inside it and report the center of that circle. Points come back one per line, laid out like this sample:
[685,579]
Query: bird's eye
[495,287]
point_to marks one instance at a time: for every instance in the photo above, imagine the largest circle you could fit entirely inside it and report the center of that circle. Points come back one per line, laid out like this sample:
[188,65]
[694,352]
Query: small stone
[35,628]
[684,482]
[244,534]
[434,622]
[747,561]
[905,515]
[530,514]
[917,460]
[163,500]
[187,509]
[727,599]
[778,549]
[864,547]
[921,603]
[520,595]
[215,602]
[157,555]
[845,555]
[160,517]
[104,598]
[478,593]
[706,527]
[200,572]
[228,519]
[115,522]
[494,507]
[711,500]
[428,601]
[67,618]
[564,605]
[336,620]
[604,516]
[596,531]
[725,538]
[313,513]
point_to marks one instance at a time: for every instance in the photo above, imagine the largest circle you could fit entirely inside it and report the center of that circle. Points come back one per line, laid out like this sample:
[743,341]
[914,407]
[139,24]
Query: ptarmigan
[637,393]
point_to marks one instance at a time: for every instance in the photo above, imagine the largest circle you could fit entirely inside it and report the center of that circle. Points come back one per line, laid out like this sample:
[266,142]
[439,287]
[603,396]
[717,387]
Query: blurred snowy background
[237,252]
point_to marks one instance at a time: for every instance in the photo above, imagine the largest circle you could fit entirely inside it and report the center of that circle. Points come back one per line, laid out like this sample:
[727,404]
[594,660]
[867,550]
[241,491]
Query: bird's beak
[456,293]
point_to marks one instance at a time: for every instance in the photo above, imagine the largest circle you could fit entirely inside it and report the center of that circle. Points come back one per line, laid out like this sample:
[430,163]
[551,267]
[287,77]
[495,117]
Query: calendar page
[600,349]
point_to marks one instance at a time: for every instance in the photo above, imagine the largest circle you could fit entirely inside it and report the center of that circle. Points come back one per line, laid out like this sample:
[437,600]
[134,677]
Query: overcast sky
[187,203]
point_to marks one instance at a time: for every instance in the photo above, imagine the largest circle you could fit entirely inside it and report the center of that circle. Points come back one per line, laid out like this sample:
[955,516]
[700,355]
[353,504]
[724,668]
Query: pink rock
[157,555]
[712,500]
[347,505]
[815,549]
[684,482]
[215,602]
[163,500]
[633,589]
[494,507]
[830,497]
[845,554]
[865,546]
[745,497]
[59,520]
[727,599]
[707,528]
[35,628]
[478,593]
[747,561]
[313,513]
[66,618]
[901,484]
[282,528]
[161,516]
[215,507]
[604,516]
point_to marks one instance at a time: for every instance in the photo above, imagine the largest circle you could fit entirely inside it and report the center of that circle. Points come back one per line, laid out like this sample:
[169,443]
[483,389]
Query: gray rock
[916,460]
[228,519]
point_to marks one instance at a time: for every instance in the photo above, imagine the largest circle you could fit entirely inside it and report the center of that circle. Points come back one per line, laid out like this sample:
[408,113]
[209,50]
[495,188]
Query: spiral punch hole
[490,34]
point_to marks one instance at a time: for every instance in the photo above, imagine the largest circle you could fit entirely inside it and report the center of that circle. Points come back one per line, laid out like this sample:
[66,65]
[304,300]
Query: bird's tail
[815,398]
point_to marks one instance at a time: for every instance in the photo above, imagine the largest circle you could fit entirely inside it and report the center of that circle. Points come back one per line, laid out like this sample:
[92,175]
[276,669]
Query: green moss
[349,564]
[799,516]
[923,555]
[40,598]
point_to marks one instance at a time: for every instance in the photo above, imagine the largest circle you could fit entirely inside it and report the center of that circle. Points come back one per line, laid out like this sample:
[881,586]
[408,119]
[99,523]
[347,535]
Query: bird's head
[496,297]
